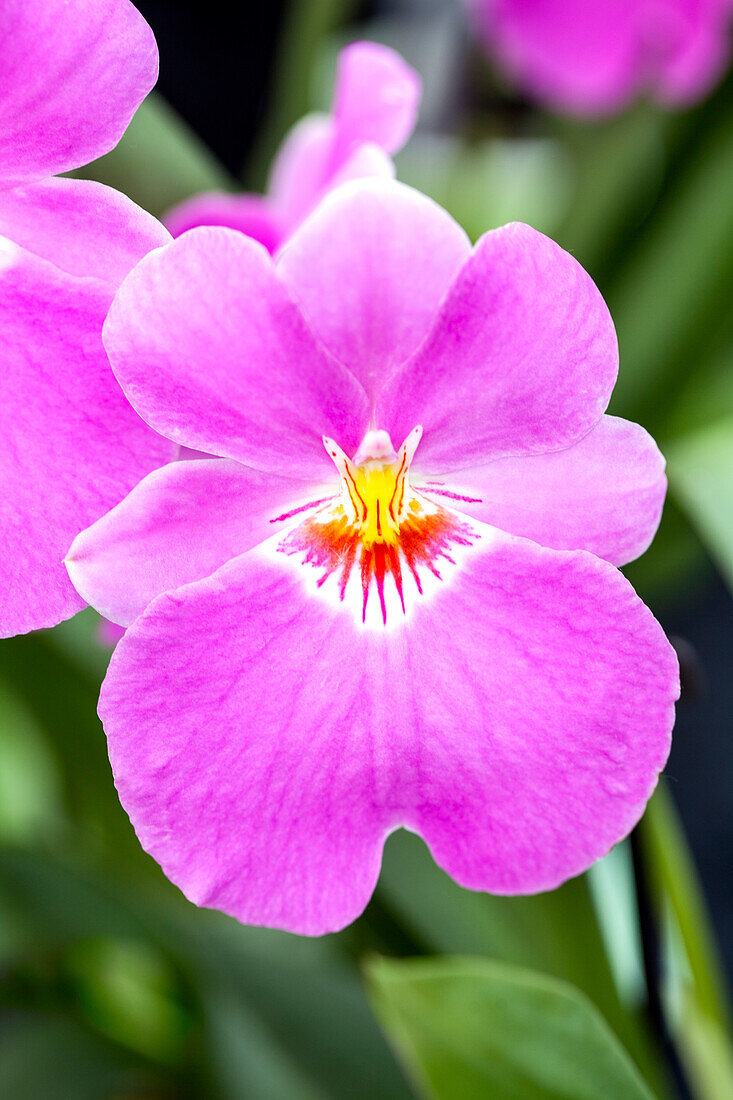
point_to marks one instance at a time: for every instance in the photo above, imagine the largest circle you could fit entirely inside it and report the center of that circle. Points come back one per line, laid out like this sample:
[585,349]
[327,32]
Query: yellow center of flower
[375,489]
[378,524]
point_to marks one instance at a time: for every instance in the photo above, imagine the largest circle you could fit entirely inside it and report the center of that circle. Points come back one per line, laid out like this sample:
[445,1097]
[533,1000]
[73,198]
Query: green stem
[702,1026]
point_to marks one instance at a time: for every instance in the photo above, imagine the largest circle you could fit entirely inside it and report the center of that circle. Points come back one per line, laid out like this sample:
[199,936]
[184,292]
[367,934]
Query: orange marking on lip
[334,546]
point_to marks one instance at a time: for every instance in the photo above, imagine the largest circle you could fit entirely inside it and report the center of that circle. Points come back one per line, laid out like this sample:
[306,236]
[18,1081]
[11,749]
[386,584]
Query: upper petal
[518,720]
[82,227]
[604,494]
[70,445]
[376,99]
[521,359]
[255,215]
[212,352]
[298,172]
[73,75]
[370,267]
[180,524]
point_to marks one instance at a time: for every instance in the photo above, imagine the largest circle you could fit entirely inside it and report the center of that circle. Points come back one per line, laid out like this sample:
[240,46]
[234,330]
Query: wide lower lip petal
[518,723]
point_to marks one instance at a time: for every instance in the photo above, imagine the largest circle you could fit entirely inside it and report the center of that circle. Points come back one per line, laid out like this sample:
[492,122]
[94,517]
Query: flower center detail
[379,526]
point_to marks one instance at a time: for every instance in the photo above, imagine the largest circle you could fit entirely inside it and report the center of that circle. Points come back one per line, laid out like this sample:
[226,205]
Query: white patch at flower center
[381,544]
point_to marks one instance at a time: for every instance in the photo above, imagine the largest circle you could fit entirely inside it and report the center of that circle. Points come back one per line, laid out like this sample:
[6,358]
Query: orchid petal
[376,99]
[181,523]
[604,494]
[70,445]
[577,56]
[82,227]
[73,75]
[521,359]
[213,353]
[370,267]
[306,739]
[255,215]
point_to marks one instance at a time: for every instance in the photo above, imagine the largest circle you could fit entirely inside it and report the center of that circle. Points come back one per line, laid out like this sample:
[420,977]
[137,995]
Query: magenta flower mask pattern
[392,599]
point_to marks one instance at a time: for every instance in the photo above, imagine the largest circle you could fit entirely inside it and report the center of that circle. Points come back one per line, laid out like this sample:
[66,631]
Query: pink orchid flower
[331,636]
[594,57]
[375,103]
[71,447]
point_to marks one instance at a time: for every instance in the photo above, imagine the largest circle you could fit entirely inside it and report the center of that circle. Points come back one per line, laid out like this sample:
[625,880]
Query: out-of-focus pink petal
[82,227]
[522,358]
[73,74]
[545,701]
[180,524]
[213,353]
[376,99]
[697,47]
[604,494]
[579,56]
[366,162]
[70,445]
[299,171]
[370,267]
[254,215]
[518,721]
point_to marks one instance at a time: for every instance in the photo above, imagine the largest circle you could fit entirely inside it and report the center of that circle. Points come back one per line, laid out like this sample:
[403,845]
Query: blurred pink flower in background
[594,56]
[323,648]
[73,74]
[375,103]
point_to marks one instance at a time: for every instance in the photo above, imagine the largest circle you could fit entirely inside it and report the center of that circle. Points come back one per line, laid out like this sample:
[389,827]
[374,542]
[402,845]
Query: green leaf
[66,712]
[619,169]
[30,788]
[49,1056]
[700,1020]
[160,161]
[289,1008]
[673,290]
[556,932]
[700,469]
[476,1028]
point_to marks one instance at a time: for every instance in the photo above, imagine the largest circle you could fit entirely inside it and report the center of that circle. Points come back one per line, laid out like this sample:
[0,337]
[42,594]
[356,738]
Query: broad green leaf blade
[700,468]
[475,1028]
[159,161]
[619,168]
[556,932]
